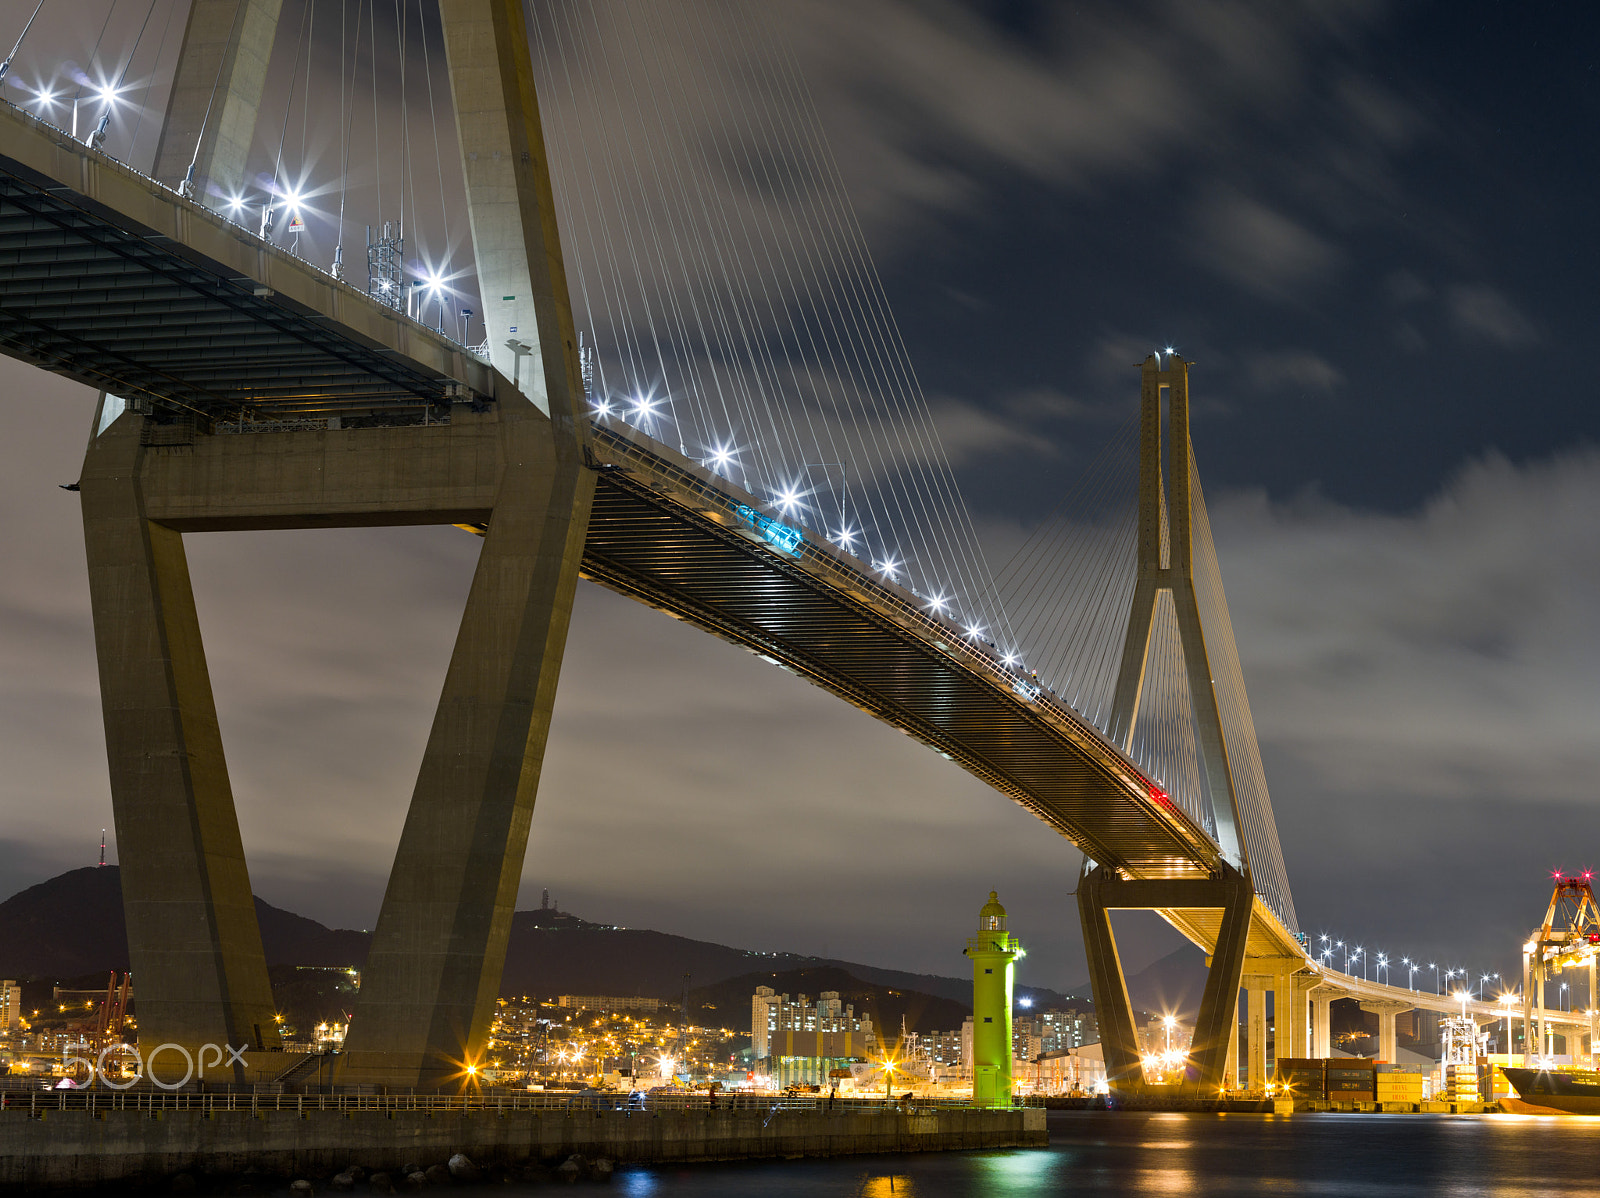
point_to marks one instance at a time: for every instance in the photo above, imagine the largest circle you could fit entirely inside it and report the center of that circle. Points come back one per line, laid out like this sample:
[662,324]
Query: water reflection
[638,1183]
[1022,1172]
[1195,1156]
[881,1187]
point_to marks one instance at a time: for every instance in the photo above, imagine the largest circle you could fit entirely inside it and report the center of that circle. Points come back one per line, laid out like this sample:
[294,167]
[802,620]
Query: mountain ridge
[72,925]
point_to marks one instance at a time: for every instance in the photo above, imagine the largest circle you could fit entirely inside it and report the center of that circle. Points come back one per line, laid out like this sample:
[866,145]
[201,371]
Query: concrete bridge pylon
[510,462]
[1221,910]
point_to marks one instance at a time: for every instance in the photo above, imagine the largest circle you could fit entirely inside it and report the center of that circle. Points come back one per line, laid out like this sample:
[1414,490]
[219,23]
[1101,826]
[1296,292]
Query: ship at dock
[1553,1092]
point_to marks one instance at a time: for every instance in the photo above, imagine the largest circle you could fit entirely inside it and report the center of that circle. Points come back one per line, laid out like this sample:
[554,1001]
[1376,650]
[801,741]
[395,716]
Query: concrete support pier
[1388,1042]
[192,934]
[1322,1023]
[1255,1040]
[1228,897]
[433,972]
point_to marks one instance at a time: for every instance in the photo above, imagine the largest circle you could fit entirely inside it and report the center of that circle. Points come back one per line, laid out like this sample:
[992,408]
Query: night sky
[1372,228]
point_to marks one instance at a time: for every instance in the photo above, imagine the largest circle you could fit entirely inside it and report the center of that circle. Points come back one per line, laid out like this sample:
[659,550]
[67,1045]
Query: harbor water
[1194,1156]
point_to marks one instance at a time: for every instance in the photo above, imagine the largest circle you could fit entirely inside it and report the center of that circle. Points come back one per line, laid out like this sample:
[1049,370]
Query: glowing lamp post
[1506,1001]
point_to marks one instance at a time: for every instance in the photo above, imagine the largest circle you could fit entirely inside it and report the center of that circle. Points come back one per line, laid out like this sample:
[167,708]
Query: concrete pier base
[78,1149]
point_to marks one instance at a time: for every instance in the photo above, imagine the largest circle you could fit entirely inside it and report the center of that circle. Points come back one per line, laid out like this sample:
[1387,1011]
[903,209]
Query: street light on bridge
[1411,972]
[1483,980]
[1382,972]
[1507,999]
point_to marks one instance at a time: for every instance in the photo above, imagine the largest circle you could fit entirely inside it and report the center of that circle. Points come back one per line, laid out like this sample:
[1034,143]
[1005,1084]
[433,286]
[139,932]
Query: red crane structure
[103,1030]
[1568,939]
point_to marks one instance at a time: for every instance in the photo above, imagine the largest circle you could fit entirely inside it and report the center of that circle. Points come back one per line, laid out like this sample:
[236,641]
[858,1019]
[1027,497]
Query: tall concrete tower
[993,952]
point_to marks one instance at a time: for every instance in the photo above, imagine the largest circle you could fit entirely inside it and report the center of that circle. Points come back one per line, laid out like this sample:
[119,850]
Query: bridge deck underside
[175,304]
[651,550]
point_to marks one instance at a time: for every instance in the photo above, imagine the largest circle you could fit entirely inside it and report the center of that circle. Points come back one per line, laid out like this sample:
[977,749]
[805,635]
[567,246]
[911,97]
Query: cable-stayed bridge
[736,437]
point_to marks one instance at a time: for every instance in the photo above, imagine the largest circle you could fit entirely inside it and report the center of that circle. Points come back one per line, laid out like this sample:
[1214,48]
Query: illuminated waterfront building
[943,1049]
[606,1004]
[1069,1071]
[771,1012]
[10,1006]
[1055,1030]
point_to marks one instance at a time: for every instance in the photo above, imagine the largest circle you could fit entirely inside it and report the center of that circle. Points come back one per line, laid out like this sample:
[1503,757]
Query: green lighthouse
[993,951]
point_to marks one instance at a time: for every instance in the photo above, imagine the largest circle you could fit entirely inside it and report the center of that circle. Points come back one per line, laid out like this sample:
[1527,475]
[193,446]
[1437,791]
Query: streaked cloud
[1259,247]
[1293,369]
[1482,313]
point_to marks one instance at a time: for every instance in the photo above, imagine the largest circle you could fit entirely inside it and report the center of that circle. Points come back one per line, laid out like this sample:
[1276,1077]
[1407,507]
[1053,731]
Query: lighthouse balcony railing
[994,942]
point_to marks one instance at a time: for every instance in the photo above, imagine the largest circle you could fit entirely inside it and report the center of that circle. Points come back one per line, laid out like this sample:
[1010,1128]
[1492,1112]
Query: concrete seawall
[79,1148]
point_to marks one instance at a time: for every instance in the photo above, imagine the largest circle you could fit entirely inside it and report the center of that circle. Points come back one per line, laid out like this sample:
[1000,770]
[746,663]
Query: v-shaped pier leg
[433,973]
[1217,1022]
[193,940]
[1113,1011]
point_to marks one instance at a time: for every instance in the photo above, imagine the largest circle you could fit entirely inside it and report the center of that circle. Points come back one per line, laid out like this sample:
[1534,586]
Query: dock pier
[61,1141]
